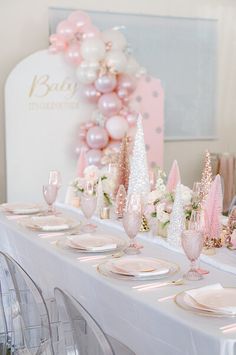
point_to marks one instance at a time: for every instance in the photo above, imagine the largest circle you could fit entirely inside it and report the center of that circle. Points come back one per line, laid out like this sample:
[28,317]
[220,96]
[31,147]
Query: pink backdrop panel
[148,99]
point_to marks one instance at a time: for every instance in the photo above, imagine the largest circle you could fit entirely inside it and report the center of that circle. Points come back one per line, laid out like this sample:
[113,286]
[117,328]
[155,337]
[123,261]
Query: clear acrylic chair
[25,312]
[79,332]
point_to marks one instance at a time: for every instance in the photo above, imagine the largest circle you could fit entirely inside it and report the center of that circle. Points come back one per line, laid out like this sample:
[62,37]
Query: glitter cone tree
[177,219]
[123,166]
[139,175]
[206,179]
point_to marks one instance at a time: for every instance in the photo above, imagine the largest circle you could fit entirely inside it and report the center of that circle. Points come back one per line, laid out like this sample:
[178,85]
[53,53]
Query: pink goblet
[132,216]
[50,195]
[88,203]
[192,243]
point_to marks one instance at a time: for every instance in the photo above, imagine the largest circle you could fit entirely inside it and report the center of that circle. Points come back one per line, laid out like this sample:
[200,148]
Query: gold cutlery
[152,286]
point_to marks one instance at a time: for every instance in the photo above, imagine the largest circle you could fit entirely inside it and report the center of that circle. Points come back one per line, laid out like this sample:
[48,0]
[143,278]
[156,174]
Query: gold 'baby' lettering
[41,86]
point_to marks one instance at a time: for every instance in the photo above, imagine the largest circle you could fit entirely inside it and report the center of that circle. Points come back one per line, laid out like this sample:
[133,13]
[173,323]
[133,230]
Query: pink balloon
[66,29]
[122,93]
[117,127]
[72,54]
[89,93]
[126,82]
[89,125]
[94,157]
[81,146]
[90,31]
[105,83]
[79,19]
[114,145]
[58,41]
[52,49]
[109,104]
[131,119]
[97,137]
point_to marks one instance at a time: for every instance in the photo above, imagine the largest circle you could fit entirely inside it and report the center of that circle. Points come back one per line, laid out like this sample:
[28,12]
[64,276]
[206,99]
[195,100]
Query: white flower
[91,173]
[186,194]
[108,185]
[154,195]
[162,216]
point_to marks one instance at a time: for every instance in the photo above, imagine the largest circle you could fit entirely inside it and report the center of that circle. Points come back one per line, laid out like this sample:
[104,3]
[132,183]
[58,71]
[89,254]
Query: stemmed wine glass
[192,243]
[54,178]
[88,203]
[50,195]
[132,216]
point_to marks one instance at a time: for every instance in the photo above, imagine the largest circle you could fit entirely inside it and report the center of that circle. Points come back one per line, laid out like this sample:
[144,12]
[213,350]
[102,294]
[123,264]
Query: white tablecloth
[137,319]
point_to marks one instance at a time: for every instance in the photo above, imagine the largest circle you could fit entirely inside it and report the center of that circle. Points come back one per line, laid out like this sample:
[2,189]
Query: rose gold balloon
[89,93]
[80,19]
[126,82]
[106,83]
[81,145]
[94,156]
[109,104]
[66,29]
[97,137]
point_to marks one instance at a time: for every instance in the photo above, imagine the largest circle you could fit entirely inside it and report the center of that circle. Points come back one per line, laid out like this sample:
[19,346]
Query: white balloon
[116,61]
[91,65]
[85,75]
[132,66]
[117,127]
[93,49]
[116,38]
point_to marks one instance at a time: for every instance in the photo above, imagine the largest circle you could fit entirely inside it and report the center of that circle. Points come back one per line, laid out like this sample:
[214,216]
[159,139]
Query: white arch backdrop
[42,114]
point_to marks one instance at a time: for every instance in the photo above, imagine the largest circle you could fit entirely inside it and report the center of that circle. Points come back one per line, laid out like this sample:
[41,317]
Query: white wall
[24,29]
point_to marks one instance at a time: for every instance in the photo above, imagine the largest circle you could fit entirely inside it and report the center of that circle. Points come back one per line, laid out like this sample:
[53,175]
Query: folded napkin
[21,208]
[214,298]
[50,223]
[130,269]
[91,242]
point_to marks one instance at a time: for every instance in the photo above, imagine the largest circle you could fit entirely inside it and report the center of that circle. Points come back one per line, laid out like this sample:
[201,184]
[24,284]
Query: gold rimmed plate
[109,269]
[184,301]
[50,223]
[93,243]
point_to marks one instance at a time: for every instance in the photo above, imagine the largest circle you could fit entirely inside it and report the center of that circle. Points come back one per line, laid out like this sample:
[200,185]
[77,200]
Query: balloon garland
[107,74]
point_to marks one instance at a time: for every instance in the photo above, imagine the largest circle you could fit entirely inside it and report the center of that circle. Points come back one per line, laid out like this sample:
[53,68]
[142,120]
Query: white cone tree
[139,175]
[177,219]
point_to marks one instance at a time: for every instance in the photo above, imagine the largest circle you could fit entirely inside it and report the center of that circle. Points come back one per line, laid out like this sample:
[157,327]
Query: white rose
[186,194]
[154,195]
[91,173]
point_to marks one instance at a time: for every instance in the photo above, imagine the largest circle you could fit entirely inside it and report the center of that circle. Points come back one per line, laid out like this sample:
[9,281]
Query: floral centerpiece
[160,202]
[92,174]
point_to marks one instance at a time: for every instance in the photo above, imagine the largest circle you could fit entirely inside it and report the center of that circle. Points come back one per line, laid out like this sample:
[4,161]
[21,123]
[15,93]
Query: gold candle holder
[105,213]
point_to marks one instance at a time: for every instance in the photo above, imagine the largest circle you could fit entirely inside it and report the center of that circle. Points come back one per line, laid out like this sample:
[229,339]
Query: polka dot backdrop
[148,99]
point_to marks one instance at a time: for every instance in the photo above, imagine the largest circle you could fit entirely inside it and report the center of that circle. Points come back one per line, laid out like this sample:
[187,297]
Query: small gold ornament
[144,225]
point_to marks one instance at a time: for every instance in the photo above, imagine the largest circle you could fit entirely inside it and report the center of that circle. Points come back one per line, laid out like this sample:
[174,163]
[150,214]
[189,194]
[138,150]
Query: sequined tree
[123,166]
[177,220]
[206,179]
[231,226]
[120,201]
[139,175]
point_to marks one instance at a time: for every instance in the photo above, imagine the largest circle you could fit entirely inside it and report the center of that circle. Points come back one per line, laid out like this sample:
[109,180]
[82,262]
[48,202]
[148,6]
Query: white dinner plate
[93,243]
[49,223]
[137,268]
[217,307]
[22,208]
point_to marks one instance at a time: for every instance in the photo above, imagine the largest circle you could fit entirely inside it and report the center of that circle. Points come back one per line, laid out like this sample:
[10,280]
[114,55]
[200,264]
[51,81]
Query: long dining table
[148,321]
